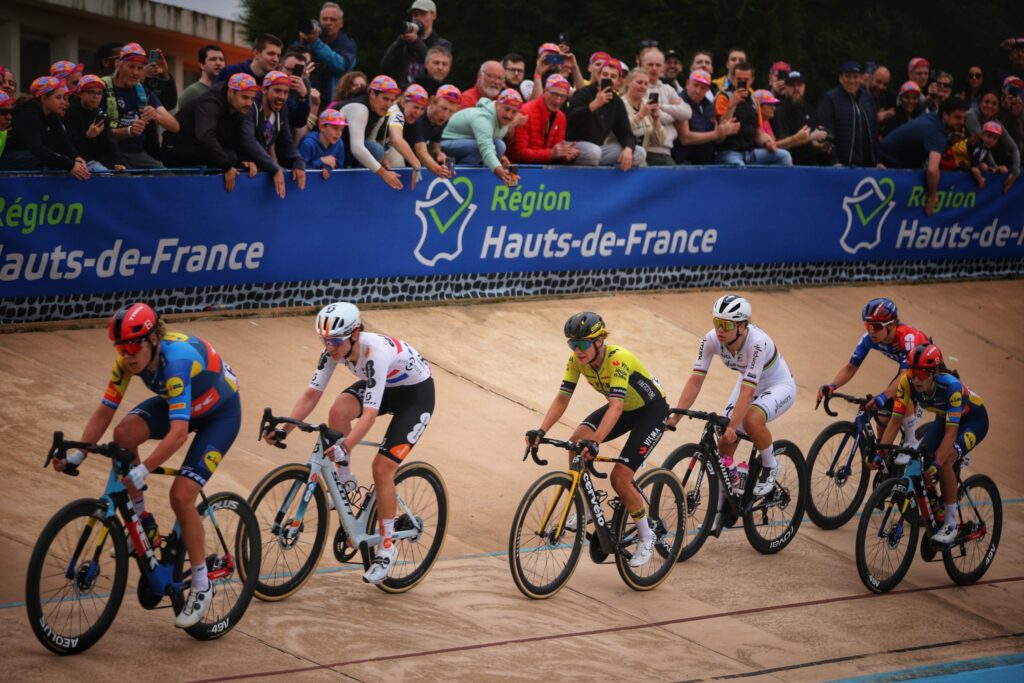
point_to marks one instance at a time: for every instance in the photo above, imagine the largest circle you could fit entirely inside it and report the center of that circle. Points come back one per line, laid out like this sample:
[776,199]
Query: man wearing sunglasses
[636,405]
[764,390]
[393,379]
[885,333]
[929,385]
[196,392]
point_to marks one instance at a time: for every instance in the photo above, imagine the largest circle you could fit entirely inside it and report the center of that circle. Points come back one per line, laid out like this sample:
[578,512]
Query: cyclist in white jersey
[394,379]
[765,383]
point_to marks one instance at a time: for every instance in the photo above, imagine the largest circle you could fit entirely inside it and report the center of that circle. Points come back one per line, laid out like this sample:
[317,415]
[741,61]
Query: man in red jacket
[542,139]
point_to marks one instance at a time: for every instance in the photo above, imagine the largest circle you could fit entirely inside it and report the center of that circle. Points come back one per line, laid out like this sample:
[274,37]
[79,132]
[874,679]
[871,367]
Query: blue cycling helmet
[880,310]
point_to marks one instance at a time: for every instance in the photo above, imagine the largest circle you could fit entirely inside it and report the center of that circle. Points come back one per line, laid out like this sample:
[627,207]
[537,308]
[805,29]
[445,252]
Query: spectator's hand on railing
[1008,183]
[390,177]
[250,167]
[119,167]
[278,179]
[626,159]
[299,176]
[80,170]
[504,175]
[229,179]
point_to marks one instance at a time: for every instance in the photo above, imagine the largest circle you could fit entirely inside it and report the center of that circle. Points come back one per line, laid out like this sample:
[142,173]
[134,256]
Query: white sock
[644,529]
[140,505]
[951,515]
[200,581]
[768,456]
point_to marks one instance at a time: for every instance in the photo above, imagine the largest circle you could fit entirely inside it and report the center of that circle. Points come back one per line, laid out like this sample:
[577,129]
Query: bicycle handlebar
[573,446]
[720,421]
[856,400]
[270,423]
[60,446]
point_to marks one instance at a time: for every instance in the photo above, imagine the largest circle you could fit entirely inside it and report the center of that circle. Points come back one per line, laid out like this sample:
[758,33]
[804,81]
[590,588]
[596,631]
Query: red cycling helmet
[923,360]
[134,321]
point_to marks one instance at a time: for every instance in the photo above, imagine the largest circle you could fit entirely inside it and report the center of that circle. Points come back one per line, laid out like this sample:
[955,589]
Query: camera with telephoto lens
[403,27]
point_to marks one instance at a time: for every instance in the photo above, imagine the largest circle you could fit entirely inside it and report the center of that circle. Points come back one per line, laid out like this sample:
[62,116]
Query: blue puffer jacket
[837,112]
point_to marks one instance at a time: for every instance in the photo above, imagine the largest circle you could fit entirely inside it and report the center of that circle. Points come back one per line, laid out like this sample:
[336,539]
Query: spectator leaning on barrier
[87,125]
[541,140]
[794,114]
[703,131]
[1005,151]
[211,63]
[333,50]
[750,145]
[595,116]
[436,67]
[645,118]
[847,112]
[921,143]
[323,148]
[402,118]
[266,136]
[404,58]
[474,136]
[427,132]
[490,80]
[38,138]
[211,128]
[767,102]
[364,135]
[672,110]
[130,109]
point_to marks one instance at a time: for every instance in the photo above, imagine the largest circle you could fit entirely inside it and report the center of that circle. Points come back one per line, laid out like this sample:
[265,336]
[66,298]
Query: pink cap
[547,47]
[1013,80]
[780,66]
[557,82]
[916,62]
[277,78]
[511,97]
[45,84]
[417,94]
[385,84]
[765,97]
[600,57]
[617,63]
[243,83]
[700,76]
[90,82]
[449,92]
[910,86]
[133,52]
[64,68]
[993,127]
[332,117]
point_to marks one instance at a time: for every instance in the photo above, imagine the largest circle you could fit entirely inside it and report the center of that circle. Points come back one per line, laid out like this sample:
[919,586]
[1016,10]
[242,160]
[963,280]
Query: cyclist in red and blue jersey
[895,340]
[196,392]
[928,384]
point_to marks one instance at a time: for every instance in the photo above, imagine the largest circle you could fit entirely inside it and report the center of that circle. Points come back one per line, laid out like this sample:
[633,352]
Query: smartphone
[653,97]
[450,163]
[741,84]
[298,70]
[154,56]
[564,39]
[556,60]
[606,84]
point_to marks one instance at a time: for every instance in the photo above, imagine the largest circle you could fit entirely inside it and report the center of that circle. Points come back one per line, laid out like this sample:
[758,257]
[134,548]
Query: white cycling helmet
[732,307]
[339,319]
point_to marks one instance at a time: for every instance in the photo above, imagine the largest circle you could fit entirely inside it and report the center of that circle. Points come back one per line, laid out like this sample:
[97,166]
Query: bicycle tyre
[41,600]
[777,510]
[973,519]
[847,489]
[414,564]
[278,546]
[701,487]
[237,524]
[523,561]
[891,520]
[666,511]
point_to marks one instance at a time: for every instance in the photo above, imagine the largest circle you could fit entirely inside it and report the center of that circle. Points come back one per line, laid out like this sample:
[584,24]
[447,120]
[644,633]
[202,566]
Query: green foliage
[815,37]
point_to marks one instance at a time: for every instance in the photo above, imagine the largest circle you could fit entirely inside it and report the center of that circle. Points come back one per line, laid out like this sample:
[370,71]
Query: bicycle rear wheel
[232,541]
[771,522]
[291,548]
[541,559]
[420,487]
[887,536]
[701,488]
[666,515]
[981,524]
[837,476]
[73,587]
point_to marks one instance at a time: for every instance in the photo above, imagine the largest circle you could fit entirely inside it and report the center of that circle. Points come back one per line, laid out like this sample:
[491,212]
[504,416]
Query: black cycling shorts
[411,407]
[645,426]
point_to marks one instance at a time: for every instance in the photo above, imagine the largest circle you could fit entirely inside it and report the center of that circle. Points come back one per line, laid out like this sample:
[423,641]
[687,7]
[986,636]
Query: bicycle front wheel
[771,521]
[423,507]
[666,515]
[74,588]
[981,523]
[291,546]
[542,559]
[232,542]
[887,536]
[700,486]
[838,477]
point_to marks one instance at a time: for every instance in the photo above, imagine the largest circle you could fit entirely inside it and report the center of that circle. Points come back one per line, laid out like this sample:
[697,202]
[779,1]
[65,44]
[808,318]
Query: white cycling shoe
[196,607]
[945,535]
[644,552]
[766,480]
[382,564]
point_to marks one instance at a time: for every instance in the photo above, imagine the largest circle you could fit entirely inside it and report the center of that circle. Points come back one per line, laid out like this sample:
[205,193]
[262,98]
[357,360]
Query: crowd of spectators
[304,105]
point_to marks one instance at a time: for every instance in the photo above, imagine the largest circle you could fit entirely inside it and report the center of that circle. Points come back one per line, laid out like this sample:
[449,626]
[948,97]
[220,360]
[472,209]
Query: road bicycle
[549,525]
[835,463]
[291,505]
[79,567]
[770,522]
[900,506]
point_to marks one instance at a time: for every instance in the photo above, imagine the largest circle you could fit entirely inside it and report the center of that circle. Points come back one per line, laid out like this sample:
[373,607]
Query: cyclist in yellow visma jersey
[636,405]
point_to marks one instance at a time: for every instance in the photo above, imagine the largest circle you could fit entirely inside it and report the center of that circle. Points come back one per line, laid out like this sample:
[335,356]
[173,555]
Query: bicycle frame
[736,500]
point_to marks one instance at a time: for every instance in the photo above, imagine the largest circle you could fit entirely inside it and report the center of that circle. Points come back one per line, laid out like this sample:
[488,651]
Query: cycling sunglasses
[724,325]
[130,348]
[877,327]
[335,341]
[579,344]
[920,373]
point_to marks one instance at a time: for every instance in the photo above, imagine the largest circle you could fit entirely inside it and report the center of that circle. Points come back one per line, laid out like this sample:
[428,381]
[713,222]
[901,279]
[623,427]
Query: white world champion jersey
[758,360]
[383,362]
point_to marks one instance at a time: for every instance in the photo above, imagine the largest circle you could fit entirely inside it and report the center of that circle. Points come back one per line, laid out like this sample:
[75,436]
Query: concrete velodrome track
[728,612]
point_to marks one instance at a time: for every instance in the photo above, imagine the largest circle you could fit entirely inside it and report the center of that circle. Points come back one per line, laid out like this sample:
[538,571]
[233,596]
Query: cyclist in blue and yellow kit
[196,392]
[928,384]
[636,405]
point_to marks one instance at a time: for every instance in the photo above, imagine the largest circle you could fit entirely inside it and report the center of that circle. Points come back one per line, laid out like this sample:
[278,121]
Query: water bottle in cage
[742,470]
[730,470]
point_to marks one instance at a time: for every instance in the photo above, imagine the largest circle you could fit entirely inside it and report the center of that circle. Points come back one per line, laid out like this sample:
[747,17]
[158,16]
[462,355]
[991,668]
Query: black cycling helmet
[585,325]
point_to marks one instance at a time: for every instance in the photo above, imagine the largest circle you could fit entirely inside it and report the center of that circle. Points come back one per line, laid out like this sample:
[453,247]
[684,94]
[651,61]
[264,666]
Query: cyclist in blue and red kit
[196,392]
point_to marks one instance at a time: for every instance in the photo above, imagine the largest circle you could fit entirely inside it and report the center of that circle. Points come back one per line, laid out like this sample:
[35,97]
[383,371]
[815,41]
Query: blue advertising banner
[60,237]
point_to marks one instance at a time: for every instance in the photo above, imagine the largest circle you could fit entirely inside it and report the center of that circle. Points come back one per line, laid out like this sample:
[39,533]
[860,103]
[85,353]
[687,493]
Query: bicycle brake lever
[593,470]
[71,470]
